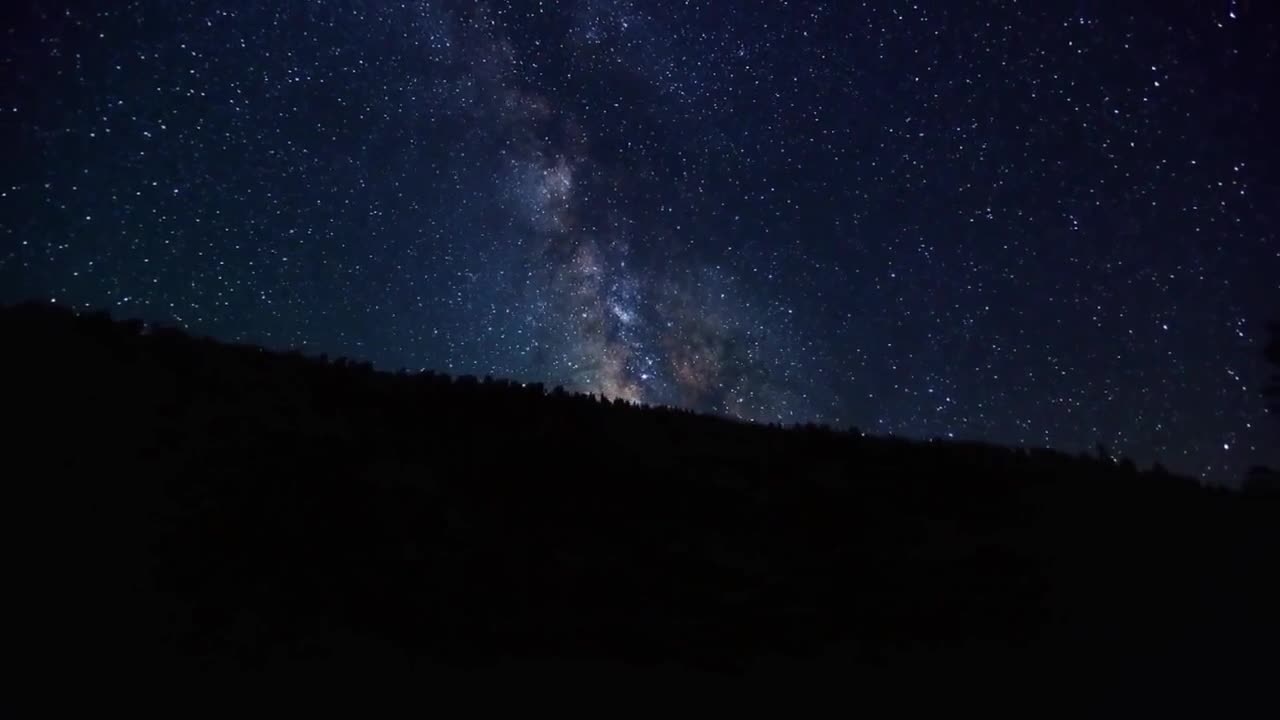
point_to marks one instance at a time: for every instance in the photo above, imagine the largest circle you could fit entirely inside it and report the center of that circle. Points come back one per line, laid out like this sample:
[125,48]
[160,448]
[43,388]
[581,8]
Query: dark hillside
[190,504]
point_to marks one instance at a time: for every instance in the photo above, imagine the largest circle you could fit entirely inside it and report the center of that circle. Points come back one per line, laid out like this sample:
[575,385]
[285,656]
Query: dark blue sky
[1044,223]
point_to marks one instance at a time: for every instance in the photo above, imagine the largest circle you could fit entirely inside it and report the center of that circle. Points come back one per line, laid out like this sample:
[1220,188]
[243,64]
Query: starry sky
[1032,223]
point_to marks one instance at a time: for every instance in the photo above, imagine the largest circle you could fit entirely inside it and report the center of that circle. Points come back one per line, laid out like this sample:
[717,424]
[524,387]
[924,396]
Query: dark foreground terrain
[185,506]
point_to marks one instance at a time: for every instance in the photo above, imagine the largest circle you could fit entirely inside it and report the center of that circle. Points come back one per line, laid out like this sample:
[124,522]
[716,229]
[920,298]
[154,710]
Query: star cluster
[1044,223]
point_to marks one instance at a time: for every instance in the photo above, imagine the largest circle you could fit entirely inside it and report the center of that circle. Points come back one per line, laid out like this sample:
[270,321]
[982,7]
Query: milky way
[1045,223]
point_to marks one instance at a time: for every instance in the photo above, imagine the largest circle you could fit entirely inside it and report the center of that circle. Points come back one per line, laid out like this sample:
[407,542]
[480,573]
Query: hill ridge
[214,505]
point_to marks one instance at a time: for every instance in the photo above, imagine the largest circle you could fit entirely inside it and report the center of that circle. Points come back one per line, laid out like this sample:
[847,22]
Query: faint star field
[1030,223]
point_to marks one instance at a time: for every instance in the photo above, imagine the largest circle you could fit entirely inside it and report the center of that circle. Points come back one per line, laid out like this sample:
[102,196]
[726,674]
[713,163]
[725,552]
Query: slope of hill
[190,504]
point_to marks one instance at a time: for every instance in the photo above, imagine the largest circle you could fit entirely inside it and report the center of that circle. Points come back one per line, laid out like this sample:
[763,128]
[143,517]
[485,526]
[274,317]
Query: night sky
[1037,222]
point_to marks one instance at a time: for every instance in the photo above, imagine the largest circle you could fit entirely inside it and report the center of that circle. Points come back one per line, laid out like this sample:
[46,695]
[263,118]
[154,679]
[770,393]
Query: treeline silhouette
[186,503]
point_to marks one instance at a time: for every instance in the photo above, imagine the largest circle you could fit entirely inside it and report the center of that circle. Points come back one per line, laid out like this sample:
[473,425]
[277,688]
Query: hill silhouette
[190,504]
